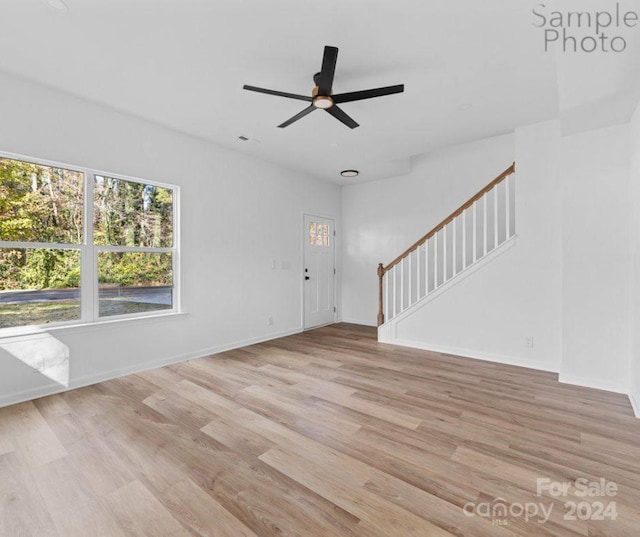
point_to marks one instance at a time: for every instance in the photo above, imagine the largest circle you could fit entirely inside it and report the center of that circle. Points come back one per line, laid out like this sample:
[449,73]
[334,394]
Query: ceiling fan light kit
[322,96]
[322,101]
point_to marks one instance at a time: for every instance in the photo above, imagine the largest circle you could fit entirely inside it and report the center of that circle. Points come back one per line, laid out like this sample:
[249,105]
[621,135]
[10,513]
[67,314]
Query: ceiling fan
[322,96]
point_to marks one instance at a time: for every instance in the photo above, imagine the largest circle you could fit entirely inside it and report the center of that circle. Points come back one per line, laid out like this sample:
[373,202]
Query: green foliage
[134,268]
[39,269]
[132,214]
[39,203]
[45,204]
[52,269]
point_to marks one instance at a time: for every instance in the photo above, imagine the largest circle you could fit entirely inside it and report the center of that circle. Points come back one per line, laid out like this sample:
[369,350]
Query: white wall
[517,295]
[238,214]
[634,177]
[596,258]
[382,218]
[565,282]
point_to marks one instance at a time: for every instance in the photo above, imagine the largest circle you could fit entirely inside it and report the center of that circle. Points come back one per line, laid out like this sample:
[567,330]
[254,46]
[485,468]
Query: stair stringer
[387,332]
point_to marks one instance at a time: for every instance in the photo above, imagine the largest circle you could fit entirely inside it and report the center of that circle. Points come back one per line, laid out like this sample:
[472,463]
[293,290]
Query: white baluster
[435,261]
[496,234]
[445,272]
[475,232]
[386,296]
[464,239]
[402,285]
[486,227]
[426,268]
[393,291]
[454,252]
[409,298]
[418,274]
[507,197]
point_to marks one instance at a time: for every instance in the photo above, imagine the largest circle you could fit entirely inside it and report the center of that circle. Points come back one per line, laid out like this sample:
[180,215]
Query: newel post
[380,293]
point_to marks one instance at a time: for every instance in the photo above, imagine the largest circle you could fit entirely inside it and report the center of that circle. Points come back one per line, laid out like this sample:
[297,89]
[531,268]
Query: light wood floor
[326,433]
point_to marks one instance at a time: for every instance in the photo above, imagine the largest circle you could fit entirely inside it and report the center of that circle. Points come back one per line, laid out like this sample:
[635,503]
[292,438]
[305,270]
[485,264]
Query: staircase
[472,232]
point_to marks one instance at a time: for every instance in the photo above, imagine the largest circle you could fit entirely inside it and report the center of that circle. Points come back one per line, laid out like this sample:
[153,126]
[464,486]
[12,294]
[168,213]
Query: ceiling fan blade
[340,114]
[329,59]
[367,94]
[278,93]
[299,115]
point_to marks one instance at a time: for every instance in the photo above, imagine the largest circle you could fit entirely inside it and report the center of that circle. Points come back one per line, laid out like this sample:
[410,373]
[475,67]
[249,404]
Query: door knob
[306,278]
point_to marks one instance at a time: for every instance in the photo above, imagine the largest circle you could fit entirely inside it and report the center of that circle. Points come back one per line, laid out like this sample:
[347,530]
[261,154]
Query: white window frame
[89,289]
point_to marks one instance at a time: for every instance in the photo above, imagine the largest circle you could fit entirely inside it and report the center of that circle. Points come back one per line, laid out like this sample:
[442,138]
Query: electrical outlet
[270,321]
[528,342]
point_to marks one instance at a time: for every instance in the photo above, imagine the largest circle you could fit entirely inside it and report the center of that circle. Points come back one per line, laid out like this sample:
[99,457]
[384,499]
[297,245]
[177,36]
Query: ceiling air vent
[247,139]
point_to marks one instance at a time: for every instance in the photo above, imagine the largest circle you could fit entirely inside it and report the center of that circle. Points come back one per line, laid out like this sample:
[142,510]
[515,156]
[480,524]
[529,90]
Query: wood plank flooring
[326,433]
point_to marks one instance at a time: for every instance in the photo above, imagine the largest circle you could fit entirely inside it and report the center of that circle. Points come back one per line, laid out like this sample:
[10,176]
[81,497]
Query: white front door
[319,271]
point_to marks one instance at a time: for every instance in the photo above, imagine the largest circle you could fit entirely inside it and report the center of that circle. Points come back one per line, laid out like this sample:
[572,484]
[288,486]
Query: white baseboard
[530,364]
[360,322]
[606,386]
[634,405]
[53,388]
[477,355]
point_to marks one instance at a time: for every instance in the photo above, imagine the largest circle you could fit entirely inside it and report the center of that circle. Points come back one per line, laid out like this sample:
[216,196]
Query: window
[133,234]
[78,245]
[318,234]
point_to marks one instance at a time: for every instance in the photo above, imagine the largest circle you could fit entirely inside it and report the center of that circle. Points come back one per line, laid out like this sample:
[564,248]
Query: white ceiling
[182,63]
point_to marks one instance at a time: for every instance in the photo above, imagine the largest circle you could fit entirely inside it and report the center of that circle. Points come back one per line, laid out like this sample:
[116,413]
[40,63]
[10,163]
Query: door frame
[305,237]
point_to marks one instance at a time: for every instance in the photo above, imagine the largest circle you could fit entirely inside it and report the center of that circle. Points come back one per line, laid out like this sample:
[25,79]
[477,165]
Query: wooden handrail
[511,169]
[382,270]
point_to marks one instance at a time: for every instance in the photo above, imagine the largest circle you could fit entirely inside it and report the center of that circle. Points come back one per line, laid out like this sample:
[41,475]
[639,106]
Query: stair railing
[469,233]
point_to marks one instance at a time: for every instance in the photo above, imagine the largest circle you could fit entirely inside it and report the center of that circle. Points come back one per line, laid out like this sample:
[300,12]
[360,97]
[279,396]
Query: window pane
[38,286]
[39,203]
[134,282]
[132,214]
[312,233]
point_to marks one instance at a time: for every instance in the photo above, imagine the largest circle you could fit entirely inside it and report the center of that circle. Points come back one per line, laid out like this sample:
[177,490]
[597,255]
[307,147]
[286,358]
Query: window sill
[78,327]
